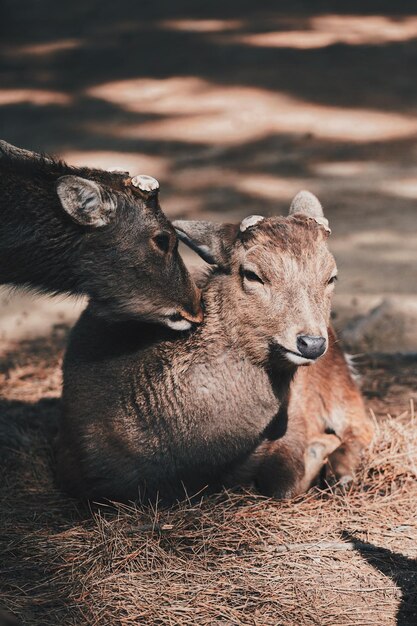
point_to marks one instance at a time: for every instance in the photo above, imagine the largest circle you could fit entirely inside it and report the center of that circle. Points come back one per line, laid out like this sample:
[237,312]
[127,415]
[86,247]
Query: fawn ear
[211,241]
[306,203]
[85,201]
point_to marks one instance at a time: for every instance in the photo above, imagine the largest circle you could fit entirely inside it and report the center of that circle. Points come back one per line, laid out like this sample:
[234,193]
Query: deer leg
[273,468]
[356,437]
[344,461]
[283,471]
[315,457]
[280,470]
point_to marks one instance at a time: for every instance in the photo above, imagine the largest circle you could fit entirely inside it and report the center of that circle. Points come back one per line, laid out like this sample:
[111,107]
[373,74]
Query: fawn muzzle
[311,347]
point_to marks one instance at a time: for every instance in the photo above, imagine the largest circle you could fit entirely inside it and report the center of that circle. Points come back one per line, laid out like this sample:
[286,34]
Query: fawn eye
[163,241]
[332,280]
[251,276]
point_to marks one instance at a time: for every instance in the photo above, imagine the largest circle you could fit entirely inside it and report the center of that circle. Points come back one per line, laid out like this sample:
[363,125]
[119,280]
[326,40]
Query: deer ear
[306,203]
[211,241]
[85,201]
[8,150]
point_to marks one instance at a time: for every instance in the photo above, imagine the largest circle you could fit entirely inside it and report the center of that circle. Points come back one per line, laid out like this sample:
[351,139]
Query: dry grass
[330,558]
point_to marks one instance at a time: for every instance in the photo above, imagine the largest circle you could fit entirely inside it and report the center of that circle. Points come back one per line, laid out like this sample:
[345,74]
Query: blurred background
[234,106]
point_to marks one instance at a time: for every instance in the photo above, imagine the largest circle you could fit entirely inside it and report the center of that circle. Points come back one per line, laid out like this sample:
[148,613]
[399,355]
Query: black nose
[311,347]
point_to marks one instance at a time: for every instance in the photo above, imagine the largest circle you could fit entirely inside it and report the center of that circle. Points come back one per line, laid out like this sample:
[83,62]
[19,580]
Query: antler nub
[145,183]
[250,221]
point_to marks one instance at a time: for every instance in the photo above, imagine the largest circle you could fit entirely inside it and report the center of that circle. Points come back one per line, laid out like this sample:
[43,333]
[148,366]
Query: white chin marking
[298,360]
[178,324]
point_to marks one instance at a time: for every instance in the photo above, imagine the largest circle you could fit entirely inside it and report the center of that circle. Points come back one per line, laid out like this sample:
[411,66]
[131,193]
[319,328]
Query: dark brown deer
[149,413]
[86,231]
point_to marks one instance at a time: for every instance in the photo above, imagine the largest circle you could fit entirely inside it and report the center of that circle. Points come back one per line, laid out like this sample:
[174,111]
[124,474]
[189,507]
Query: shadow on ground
[401,569]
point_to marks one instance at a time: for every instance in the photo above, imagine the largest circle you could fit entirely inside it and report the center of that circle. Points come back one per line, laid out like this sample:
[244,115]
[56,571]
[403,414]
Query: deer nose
[311,347]
[195,318]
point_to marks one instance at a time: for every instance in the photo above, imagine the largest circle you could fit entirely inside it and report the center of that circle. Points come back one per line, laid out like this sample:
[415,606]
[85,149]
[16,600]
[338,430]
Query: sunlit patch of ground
[201,26]
[197,111]
[44,49]
[39,97]
[26,315]
[137,163]
[403,187]
[327,30]
[319,31]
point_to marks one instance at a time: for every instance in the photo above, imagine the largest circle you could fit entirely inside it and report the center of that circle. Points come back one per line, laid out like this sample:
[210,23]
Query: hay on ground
[329,558]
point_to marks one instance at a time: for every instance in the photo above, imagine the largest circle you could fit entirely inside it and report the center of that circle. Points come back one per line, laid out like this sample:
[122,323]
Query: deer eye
[163,241]
[251,276]
[332,280]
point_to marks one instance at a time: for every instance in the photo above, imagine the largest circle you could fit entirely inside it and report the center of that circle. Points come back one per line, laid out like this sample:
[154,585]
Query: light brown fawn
[150,413]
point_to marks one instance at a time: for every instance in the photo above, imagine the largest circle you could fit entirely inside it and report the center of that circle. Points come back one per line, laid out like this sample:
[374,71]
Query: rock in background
[390,326]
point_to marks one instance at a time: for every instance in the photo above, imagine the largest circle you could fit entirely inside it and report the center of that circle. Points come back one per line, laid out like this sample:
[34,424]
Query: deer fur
[152,414]
[90,232]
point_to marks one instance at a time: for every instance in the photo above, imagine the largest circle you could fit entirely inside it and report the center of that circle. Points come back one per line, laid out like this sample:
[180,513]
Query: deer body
[151,414]
[90,232]
[179,420]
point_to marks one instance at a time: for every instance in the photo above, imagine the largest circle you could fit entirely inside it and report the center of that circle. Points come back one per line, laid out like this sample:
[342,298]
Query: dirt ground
[234,107]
